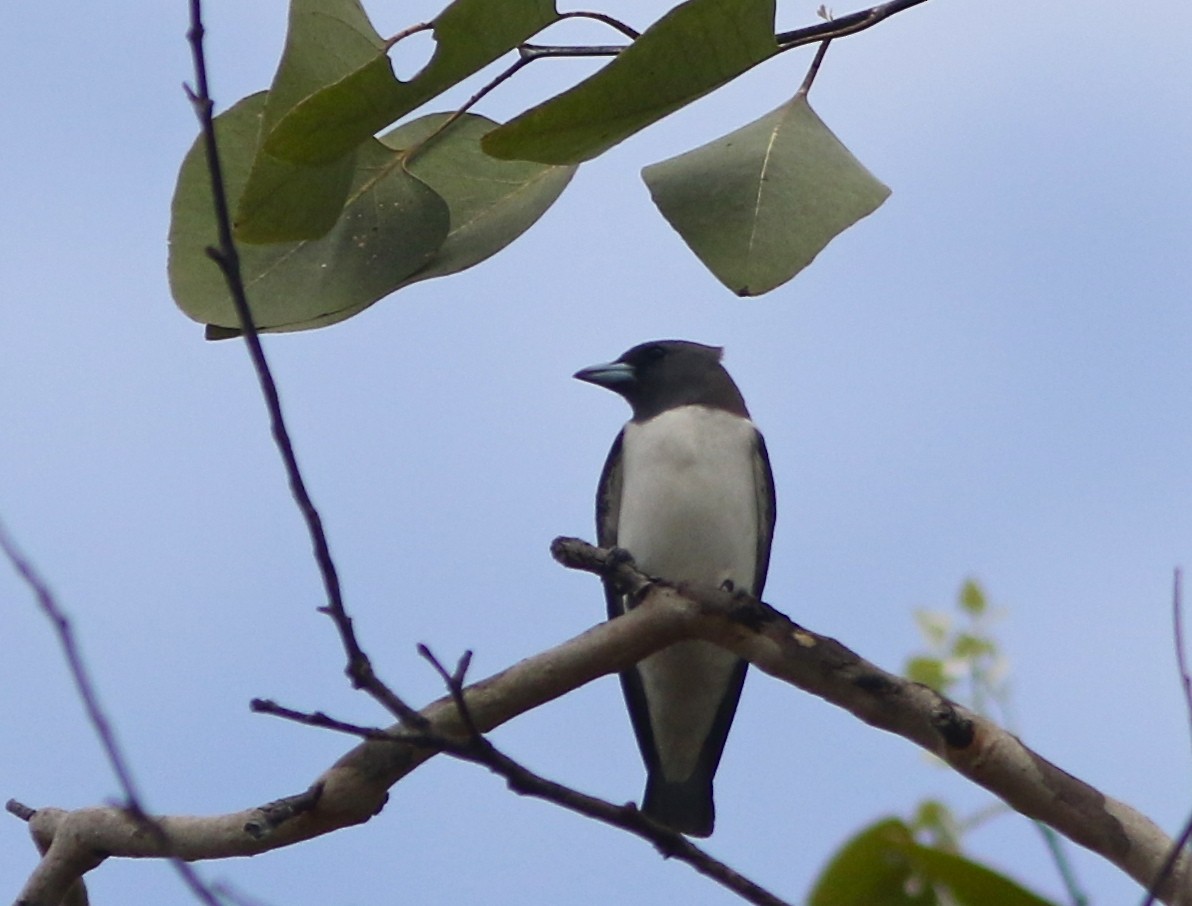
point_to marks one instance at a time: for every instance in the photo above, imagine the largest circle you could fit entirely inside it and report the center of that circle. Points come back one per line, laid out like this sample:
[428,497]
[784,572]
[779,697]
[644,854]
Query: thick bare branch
[354,788]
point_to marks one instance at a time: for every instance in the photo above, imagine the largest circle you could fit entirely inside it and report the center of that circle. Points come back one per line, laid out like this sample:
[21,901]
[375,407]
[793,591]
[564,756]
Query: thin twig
[1059,855]
[359,668]
[814,68]
[1165,870]
[471,102]
[843,25]
[538,51]
[317,719]
[632,33]
[1177,620]
[1177,617]
[407,31]
[787,40]
[523,781]
[133,803]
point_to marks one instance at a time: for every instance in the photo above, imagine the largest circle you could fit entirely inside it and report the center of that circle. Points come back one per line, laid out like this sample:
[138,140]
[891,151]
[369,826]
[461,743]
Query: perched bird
[687,491]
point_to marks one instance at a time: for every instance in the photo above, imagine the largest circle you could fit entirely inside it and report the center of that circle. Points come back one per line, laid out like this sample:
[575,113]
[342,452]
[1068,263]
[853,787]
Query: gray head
[665,374]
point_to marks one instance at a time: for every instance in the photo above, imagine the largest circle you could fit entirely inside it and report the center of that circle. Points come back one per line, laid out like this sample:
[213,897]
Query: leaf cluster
[336,207]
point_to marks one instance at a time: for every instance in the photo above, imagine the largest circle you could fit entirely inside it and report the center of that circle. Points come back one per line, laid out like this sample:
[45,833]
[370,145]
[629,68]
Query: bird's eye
[654,351]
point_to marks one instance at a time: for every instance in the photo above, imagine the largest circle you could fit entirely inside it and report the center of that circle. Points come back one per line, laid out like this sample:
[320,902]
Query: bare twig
[407,31]
[631,33]
[317,719]
[1181,657]
[1059,855]
[525,782]
[843,25]
[133,802]
[471,102]
[1177,620]
[359,668]
[813,69]
[787,40]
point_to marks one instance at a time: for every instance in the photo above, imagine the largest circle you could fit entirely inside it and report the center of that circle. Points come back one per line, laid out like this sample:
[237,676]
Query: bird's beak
[611,375]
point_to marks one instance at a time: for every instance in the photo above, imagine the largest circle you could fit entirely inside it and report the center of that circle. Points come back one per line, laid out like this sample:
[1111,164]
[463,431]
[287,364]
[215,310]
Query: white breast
[689,513]
[688,502]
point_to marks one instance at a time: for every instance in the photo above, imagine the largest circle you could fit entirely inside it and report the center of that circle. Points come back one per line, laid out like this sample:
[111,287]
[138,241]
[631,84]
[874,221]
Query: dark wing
[763,482]
[608,513]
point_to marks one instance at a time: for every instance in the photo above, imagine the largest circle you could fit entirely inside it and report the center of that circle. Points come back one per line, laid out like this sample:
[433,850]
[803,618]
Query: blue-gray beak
[610,375]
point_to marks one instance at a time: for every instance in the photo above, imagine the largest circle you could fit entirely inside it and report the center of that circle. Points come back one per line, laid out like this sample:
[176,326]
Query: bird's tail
[685,806]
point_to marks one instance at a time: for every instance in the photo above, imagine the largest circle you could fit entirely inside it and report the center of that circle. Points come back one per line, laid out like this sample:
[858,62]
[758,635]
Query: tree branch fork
[355,787]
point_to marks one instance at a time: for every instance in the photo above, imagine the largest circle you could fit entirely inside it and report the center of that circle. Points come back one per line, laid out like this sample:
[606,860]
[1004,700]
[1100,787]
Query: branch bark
[354,788]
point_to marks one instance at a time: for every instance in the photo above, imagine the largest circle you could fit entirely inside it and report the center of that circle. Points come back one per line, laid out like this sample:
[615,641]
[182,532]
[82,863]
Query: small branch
[525,782]
[1059,856]
[359,668]
[1164,875]
[316,719]
[133,803]
[538,51]
[843,25]
[787,40]
[814,68]
[1177,619]
[631,33]
[407,31]
[471,102]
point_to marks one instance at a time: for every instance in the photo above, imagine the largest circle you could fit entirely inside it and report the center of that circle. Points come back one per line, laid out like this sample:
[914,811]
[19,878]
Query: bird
[688,492]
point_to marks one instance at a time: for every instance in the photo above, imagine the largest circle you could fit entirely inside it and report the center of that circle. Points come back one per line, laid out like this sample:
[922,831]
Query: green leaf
[492,201]
[359,93]
[969,647]
[935,820]
[282,200]
[969,883]
[884,866]
[972,598]
[696,47]
[467,207]
[929,671]
[392,226]
[872,869]
[757,205]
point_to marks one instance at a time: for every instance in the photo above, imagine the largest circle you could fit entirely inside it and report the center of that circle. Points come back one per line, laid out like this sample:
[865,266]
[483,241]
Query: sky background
[987,378]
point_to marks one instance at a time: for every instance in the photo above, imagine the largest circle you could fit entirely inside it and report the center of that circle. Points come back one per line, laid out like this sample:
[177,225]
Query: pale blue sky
[989,377]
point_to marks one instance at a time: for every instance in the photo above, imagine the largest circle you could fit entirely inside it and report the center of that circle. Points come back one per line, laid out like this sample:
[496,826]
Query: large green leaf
[884,866]
[449,208]
[392,225]
[282,200]
[757,205]
[362,95]
[492,201]
[693,49]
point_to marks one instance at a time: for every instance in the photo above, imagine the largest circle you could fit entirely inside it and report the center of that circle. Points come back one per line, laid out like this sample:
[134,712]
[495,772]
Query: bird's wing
[608,513]
[763,486]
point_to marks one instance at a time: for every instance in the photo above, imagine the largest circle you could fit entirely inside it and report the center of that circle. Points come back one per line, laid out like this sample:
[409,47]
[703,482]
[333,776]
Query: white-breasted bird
[687,490]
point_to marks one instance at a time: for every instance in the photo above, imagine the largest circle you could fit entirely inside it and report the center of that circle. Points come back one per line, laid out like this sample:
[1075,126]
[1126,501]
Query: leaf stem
[813,69]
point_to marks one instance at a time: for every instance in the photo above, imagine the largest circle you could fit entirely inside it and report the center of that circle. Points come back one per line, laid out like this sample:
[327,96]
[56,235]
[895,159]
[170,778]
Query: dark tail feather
[685,806]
